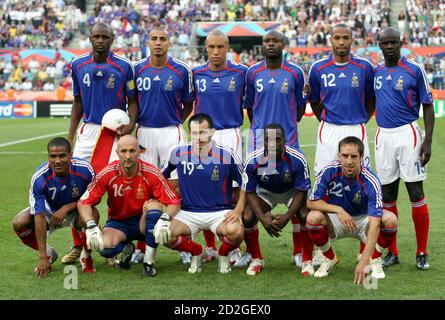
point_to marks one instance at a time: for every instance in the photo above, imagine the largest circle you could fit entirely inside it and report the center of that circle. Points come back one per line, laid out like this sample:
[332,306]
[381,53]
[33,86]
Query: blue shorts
[130,227]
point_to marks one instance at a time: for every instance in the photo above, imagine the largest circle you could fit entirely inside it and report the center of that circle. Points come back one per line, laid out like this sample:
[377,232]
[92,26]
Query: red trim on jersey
[84,64]
[415,135]
[168,65]
[143,68]
[179,134]
[258,70]
[119,95]
[231,69]
[406,67]
[319,132]
[49,178]
[295,119]
[137,132]
[363,131]
[78,174]
[109,61]
[336,175]
[216,156]
[377,136]
[361,181]
[81,127]
[357,64]
[284,67]
[202,70]
[410,100]
[327,64]
[227,201]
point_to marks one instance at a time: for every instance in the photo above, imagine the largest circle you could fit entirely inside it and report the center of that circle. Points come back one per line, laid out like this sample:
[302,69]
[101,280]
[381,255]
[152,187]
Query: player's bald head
[217,33]
[102,27]
[389,32]
[128,141]
[340,26]
[275,34]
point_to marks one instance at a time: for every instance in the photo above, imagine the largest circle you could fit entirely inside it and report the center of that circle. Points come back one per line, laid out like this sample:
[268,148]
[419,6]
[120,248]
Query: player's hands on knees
[347,221]
[58,218]
[361,272]
[94,238]
[162,230]
[272,229]
[43,267]
[232,217]
[280,220]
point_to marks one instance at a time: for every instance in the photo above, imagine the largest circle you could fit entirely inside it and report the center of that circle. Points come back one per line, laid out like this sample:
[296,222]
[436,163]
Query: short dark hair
[201,117]
[59,142]
[275,126]
[340,25]
[352,140]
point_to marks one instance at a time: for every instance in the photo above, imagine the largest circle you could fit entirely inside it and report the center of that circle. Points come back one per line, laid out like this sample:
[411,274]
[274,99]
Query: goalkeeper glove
[161,230]
[94,236]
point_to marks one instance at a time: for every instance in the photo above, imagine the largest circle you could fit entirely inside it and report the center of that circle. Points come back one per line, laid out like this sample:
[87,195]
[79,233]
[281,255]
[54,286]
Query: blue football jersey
[343,89]
[102,86]
[291,172]
[399,92]
[49,192]
[220,94]
[275,97]
[205,183]
[161,92]
[359,196]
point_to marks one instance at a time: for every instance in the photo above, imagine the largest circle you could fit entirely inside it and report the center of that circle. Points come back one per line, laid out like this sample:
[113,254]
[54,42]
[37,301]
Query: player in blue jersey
[165,95]
[401,87]
[206,171]
[274,92]
[341,96]
[276,174]
[219,92]
[346,201]
[56,186]
[102,81]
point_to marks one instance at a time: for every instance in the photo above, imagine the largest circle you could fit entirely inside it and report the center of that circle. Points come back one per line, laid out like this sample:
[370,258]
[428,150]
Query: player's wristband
[153,211]
[91,224]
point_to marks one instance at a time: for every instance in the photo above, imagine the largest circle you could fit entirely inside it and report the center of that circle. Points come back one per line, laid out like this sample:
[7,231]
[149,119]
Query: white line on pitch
[21,152]
[32,139]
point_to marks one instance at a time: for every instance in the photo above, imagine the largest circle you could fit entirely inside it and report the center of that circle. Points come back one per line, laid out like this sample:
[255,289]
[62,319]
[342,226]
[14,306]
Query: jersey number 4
[86,80]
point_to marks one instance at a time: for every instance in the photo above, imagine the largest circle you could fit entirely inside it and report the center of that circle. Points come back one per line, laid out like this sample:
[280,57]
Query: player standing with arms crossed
[102,81]
[219,93]
[401,86]
[165,94]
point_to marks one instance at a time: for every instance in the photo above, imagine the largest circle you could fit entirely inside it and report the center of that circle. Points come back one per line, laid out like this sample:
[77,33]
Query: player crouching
[132,186]
[205,172]
[353,208]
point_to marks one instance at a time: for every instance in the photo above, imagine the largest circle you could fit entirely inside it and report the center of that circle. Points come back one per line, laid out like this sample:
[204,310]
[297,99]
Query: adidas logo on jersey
[200,167]
[63,188]
[127,188]
[389,77]
[347,188]
[272,81]
[216,80]
[342,75]
[156,78]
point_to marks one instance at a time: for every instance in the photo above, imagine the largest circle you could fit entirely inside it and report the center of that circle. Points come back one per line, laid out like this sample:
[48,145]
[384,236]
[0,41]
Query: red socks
[210,239]
[251,238]
[181,243]
[226,247]
[28,237]
[140,246]
[386,237]
[392,206]
[307,244]
[421,220]
[296,236]
[320,236]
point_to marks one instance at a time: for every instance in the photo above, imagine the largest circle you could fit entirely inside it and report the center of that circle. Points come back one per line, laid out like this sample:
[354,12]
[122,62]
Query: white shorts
[274,199]
[159,143]
[87,137]
[340,231]
[69,221]
[397,153]
[231,138]
[198,221]
[329,135]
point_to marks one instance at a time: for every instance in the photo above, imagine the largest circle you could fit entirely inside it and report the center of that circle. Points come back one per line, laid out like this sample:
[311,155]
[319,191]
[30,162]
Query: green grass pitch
[279,280]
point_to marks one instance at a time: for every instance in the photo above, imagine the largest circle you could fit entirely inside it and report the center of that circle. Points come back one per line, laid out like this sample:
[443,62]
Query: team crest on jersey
[110,83]
[215,174]
[75,193]
[357,198]
[130,85]
[399,85]
[285,87]
[232,85]
[169,84]
[287,177]
[354,82]
[140,193]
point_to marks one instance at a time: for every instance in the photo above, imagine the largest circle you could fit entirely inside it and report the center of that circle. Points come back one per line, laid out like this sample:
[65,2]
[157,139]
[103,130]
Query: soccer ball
[114,118]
